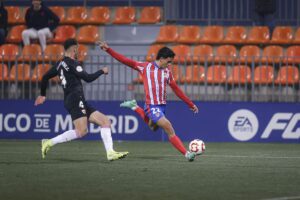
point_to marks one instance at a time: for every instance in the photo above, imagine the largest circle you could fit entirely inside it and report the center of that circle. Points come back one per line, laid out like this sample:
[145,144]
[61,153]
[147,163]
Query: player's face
[36,4]
[75,51]
[165,62]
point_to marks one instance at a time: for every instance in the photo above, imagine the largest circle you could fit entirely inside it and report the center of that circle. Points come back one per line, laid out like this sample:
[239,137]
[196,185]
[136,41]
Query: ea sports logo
[243,125]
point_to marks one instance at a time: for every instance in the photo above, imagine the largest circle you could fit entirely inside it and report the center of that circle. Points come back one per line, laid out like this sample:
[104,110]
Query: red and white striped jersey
[155,80]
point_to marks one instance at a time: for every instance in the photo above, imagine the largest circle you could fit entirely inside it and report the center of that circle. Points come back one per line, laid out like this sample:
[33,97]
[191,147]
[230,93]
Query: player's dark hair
[70,42]
[165,52]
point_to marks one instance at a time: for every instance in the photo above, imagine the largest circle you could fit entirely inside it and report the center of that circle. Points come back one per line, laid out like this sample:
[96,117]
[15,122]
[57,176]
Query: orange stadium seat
[293,55]
[249,54]
[9,52]
[272,54]
[288,75]
[297,37]
[235,35]
[3,72]
[282,35]
[82,52]
[182,54]
[20,72]
[60,12]
[53,52]
[216,74]
[124,15]
[15,34]
[189,35]
[264,74]
[167,34]
[88,34]
[31,53]
[203,53]
[226,54]
[194,74]
[240,74]
[150,15]
[15,15]
[212,35]
[259,35]
[176,71]
[76,15]
[99,15]
[39,71]
[64,32]
[152,52]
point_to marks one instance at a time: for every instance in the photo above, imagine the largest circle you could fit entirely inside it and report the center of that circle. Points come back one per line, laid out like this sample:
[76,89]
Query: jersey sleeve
[126,61]
[179,93]
[52,72]
[85,76]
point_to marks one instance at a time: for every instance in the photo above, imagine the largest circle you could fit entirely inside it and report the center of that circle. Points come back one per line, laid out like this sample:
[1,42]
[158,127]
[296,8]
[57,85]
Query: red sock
[176,142]
[141,113]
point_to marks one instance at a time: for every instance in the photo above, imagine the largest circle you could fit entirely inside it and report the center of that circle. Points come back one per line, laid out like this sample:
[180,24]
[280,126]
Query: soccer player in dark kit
[70,73]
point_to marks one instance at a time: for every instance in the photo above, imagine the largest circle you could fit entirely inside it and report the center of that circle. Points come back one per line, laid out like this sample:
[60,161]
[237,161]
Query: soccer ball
[197,146]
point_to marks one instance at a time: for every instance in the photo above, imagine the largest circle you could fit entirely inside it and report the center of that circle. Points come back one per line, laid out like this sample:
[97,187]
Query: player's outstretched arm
[89,77]
[48,75]
[126,61]
[183,97]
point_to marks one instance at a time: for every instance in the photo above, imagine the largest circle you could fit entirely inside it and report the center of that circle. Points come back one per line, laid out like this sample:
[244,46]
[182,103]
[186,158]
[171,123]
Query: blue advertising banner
[215,122]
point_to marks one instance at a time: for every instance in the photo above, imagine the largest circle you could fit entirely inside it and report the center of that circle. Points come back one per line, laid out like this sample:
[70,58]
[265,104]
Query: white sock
[64,137]
[107,139]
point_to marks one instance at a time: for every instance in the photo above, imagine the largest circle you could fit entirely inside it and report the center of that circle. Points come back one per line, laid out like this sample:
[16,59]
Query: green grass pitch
[153,170]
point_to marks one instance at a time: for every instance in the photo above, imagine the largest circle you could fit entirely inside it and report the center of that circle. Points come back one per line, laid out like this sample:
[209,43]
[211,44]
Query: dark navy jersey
[70,73]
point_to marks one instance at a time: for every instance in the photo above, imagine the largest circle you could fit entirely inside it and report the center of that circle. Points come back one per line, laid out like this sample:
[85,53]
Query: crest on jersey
[79,68]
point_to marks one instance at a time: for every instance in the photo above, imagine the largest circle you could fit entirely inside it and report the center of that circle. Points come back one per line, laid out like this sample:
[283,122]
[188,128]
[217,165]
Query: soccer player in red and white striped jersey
[156,76]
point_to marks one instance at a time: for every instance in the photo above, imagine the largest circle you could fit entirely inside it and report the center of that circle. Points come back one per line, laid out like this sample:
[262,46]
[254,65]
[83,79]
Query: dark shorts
[77,106]
[155,112]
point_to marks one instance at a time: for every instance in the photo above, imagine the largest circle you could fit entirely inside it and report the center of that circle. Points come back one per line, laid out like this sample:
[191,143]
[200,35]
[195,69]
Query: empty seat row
[86,34]
[234,35]
[23,72]
[228,53]
[239,74]
[33,53]
[96,15]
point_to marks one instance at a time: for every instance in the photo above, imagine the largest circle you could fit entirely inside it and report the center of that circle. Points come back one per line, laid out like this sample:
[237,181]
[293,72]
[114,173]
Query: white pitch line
[132,153]
[283,198]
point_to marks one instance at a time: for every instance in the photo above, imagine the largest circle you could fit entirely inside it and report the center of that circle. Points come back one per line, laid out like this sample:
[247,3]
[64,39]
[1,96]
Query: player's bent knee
[81,132]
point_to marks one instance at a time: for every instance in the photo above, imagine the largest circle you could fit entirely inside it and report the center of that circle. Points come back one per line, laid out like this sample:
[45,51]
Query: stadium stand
[216,74]
[264,74]
[240,74]
[60,12]
[203,53]
[9,52]
[193,75]
[63,32]
[235,35]
[152,52]
[258,35]
[98,15]
[53,52]
[189,35]
[150,15]
[212,35]
[20,72]
[183,54]
[287,75]
[15,34]
[15,15]
[272,54]
[31,53]
[3,72]
[124,15]
[282,35]
[88,34]
[249,54]
[293,55]
[167,34]
[76,15]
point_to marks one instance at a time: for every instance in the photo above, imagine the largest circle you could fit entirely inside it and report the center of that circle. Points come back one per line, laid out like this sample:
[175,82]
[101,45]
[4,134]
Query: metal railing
[227,79]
